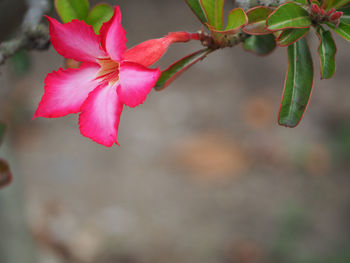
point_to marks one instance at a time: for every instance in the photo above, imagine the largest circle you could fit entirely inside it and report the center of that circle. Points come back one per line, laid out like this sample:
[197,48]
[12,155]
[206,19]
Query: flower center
[109,70]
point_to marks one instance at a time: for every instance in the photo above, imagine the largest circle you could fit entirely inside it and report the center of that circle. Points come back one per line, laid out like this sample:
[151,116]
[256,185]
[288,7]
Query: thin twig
[33,34]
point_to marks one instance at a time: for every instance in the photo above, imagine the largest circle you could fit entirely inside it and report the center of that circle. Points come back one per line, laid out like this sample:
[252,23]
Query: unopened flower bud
[315,9]
[330,12]
[336,15]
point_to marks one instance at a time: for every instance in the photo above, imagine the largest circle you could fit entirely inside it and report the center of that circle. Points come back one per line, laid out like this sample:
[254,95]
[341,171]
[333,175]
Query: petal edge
[100,116]
[113,39]
[75,40]
[136,82]
[66,91]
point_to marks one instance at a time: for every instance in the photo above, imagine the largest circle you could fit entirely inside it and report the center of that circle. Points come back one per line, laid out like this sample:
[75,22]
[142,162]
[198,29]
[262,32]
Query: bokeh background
[203,175]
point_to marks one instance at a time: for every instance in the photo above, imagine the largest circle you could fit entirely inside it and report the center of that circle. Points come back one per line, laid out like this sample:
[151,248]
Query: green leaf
[260,45]
[72,9]
[326,50]
[346,14]
[2,131]
[236,19]
[342,30]
[335,4]
[289,15]
[257,20]
[176,69]
[196,8]
[98,15]
[214,10]
[298,84]
[289,36]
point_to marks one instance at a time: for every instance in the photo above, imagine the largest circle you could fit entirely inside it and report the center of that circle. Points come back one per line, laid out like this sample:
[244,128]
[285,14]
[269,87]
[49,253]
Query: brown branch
[33,34]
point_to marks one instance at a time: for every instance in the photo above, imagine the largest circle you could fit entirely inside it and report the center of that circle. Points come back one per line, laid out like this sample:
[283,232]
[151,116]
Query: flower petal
[136,81]
[113,38]
[148,52]
[66,90]
[75,40]
[99,119]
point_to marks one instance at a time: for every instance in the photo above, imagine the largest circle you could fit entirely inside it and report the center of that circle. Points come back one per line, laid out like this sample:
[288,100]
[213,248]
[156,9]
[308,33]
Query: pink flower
[109,77]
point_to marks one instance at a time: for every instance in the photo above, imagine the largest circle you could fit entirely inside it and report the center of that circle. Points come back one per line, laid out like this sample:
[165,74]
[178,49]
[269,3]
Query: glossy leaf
[72,9]
[214,11]
[2,131]
[329,4]
[176,69]
[196,8]
[342,30]
[98,15]
[5,174]
[237,18]
[298,84]
[257,21]
[326,50]
[289,36]
[260,45]
[289,15]
[346,14]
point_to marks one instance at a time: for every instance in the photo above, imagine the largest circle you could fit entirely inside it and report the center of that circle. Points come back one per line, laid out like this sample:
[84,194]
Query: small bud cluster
[320,15]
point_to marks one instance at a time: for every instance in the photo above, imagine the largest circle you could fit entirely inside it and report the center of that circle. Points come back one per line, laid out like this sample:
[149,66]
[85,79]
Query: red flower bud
[330,11]
[315,9]
[336,15]
[322,11]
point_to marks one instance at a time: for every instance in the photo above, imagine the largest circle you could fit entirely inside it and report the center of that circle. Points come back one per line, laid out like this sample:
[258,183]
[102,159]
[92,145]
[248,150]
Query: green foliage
[236,19]
[257,21]
[179,67]
[327,51]
[214,10]
[346,15]
[298,85]
[260,29]
[289,15]
[342,30]
[79,9]
[98,15]
[196,8]
[329,4]
[72,9]
[260,45]
[289,36]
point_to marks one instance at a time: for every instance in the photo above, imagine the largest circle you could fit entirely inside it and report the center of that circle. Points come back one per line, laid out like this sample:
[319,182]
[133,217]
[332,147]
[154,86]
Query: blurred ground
[204,174]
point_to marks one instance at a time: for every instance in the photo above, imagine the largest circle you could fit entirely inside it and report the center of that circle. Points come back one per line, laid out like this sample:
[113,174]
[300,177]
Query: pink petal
[99,119]
[75,40]
[149,52]
[113,36]
[66,91]
[136,81]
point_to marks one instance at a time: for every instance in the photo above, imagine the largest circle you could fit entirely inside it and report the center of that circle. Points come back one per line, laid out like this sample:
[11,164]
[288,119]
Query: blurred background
[203,175]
